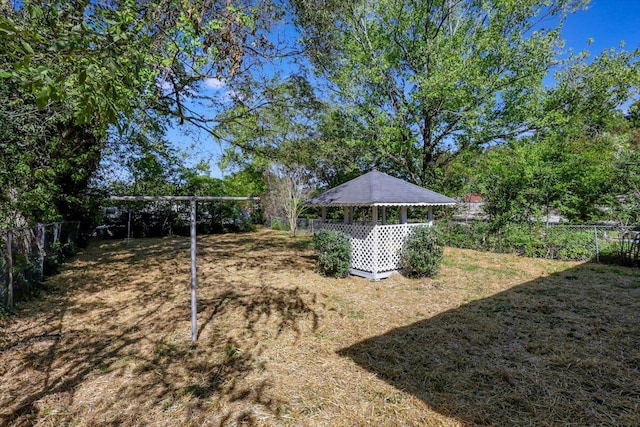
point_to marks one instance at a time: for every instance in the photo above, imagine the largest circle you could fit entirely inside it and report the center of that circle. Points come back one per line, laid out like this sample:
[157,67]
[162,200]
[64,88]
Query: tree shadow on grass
[559,350]
[267,251]
[111,346]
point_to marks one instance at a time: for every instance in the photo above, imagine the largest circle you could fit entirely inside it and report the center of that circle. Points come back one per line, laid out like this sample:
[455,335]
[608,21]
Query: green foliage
[272,129]
[576,168]
[465,236]
[625,208]
[275,224]
[430,79]
[84,81]
[523,239]
[56,255]
[423,252]
[48,161]
[272,122]
[567,244]
[627,248]
[107,59]
[26,277]
[334,253]
[531,240]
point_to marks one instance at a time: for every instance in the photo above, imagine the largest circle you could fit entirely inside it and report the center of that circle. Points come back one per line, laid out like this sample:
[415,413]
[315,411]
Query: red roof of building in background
[473,198]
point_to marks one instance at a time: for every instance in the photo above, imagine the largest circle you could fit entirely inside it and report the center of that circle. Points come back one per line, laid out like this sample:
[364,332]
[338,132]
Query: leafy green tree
[433,78]
[274,129]
[288,188]
[78,78]
[633,115]
[529,180]
[271,121]
[589,94]
[342,149]
[48,160]
[107,59]
[247,182]
[626,202]
[570,167]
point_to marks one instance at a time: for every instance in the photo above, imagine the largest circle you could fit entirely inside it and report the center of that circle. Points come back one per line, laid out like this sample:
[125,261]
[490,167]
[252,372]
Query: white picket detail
[378,248]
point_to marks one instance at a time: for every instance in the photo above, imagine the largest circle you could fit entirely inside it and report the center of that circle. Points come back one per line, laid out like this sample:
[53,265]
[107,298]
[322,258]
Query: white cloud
[214,83]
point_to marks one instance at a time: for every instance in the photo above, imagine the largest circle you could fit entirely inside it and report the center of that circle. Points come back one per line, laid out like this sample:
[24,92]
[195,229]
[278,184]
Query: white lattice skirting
[376,250]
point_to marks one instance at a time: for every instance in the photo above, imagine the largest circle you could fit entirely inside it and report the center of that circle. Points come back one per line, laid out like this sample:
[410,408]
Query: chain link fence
[558,241]
[599,242]
[303,225]
[609,243]
[28,254]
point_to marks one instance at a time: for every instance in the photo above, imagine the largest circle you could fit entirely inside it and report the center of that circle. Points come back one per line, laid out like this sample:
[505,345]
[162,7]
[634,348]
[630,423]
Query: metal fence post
[40,243]
[595,234]
[56,232]
[10,269]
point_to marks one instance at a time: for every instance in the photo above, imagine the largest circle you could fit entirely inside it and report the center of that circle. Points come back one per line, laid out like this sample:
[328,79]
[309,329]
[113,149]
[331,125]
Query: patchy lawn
[495,340]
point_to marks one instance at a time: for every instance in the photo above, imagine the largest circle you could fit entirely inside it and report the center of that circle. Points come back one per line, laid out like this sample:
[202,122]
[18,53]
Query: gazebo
[376,245]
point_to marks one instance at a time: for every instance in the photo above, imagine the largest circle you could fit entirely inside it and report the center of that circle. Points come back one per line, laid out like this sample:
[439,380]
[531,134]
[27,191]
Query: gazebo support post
[374,221]
[323,212]
[384,215]
[403,214]
[430,216]
[346,215]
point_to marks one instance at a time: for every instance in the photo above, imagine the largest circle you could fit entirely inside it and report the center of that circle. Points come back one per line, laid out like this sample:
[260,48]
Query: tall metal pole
[194,300]
[193,200]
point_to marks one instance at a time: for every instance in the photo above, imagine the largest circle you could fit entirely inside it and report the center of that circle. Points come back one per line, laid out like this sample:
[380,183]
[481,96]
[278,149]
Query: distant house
[470,209]
[473,198]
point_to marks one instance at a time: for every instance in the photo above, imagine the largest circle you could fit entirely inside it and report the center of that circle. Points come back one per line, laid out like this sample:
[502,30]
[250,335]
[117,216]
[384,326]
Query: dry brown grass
[495,339]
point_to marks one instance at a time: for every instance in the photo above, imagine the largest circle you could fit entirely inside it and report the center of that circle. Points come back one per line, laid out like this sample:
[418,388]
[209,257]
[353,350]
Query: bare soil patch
[493,340]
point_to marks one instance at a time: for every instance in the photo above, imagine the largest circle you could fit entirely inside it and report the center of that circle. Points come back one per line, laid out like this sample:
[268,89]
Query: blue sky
[607,22]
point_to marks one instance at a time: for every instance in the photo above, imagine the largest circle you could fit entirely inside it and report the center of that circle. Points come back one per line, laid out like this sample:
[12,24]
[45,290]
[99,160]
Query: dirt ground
[493,340]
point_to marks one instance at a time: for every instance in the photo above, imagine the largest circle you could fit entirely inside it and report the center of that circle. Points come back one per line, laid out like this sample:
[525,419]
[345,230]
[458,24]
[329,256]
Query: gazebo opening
[377,238]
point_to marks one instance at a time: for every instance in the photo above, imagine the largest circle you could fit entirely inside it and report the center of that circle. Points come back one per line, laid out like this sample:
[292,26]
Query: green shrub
[423,252]
[628,249]
[523,239]
[567,244]
[334,253]
[460,236]
[473,235]
[56,255]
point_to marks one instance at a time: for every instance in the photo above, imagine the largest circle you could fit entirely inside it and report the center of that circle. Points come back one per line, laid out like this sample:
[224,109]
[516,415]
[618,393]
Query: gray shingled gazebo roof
[379,189]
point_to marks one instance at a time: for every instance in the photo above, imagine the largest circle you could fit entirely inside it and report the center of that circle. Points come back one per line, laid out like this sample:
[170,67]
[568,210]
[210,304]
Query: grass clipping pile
[493,340]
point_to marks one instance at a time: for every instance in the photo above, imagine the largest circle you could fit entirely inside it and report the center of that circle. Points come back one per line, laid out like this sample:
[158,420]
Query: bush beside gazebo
[376,245]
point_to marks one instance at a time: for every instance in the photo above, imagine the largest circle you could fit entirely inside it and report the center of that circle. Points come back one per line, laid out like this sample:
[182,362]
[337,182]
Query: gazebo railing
[375,249]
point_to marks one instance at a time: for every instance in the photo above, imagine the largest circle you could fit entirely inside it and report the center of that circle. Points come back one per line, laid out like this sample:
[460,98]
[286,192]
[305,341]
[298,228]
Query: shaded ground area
[559,350]
[495,339]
